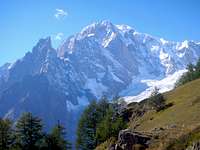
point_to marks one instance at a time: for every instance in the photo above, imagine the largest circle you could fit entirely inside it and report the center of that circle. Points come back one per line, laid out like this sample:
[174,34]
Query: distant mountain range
[103,59]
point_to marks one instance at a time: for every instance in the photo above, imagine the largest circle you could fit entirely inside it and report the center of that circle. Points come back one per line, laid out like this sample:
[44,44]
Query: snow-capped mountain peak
[99,29]
[163,41]
[125,29]
[103,59]
[126,48]
[182,45]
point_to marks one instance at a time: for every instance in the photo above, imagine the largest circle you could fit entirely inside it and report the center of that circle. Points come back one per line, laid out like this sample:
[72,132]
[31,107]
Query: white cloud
[59,36]
[60,13]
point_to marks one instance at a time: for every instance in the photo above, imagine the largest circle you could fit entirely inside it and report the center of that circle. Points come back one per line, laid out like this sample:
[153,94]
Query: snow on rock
[182,45]
[155,48]
[163,55]
[114,76]
[82,102]
[134,88]
[109,56]
[163,85]
[70,106]
[11,65]
[71,43]
[108,40]
[163,41]
[124,27]
[97,88]
[92,34]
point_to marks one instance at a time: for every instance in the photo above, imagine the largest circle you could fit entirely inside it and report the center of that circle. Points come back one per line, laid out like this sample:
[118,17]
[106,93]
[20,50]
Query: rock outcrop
[128,140]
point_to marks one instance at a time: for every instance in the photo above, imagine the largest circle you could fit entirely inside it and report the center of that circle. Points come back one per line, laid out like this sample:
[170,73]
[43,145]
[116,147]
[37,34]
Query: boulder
[128,140]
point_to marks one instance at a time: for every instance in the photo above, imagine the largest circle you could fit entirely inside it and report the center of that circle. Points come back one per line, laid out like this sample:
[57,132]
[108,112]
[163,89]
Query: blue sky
[24,22]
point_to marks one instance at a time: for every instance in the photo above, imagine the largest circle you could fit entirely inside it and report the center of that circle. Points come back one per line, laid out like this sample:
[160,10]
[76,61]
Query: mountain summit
[103,59]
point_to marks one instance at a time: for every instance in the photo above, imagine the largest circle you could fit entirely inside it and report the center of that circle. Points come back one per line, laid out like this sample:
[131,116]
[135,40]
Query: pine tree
[104,128]
[28,131]
[89,132]
[102,107]
[57,139]
[86,133]
[109,126]
[6,134]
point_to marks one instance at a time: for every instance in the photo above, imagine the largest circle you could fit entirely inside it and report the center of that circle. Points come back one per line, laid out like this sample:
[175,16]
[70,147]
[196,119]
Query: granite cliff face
[103,59]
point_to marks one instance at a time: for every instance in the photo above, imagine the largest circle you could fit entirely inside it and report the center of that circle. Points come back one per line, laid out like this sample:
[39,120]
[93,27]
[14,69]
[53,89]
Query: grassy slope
[180,119]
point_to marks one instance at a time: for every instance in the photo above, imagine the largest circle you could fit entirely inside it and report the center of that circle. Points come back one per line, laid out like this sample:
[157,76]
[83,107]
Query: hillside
[181,118]
[175,127]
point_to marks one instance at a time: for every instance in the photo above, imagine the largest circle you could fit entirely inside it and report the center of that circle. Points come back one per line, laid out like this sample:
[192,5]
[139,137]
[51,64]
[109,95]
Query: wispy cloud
[59,36]
[60,13]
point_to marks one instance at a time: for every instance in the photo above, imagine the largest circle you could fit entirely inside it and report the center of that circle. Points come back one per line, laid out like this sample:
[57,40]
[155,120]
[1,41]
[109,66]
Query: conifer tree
[28,131]
[96,124]
[109,126]
[86,133]
[6,134]
[57,139]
